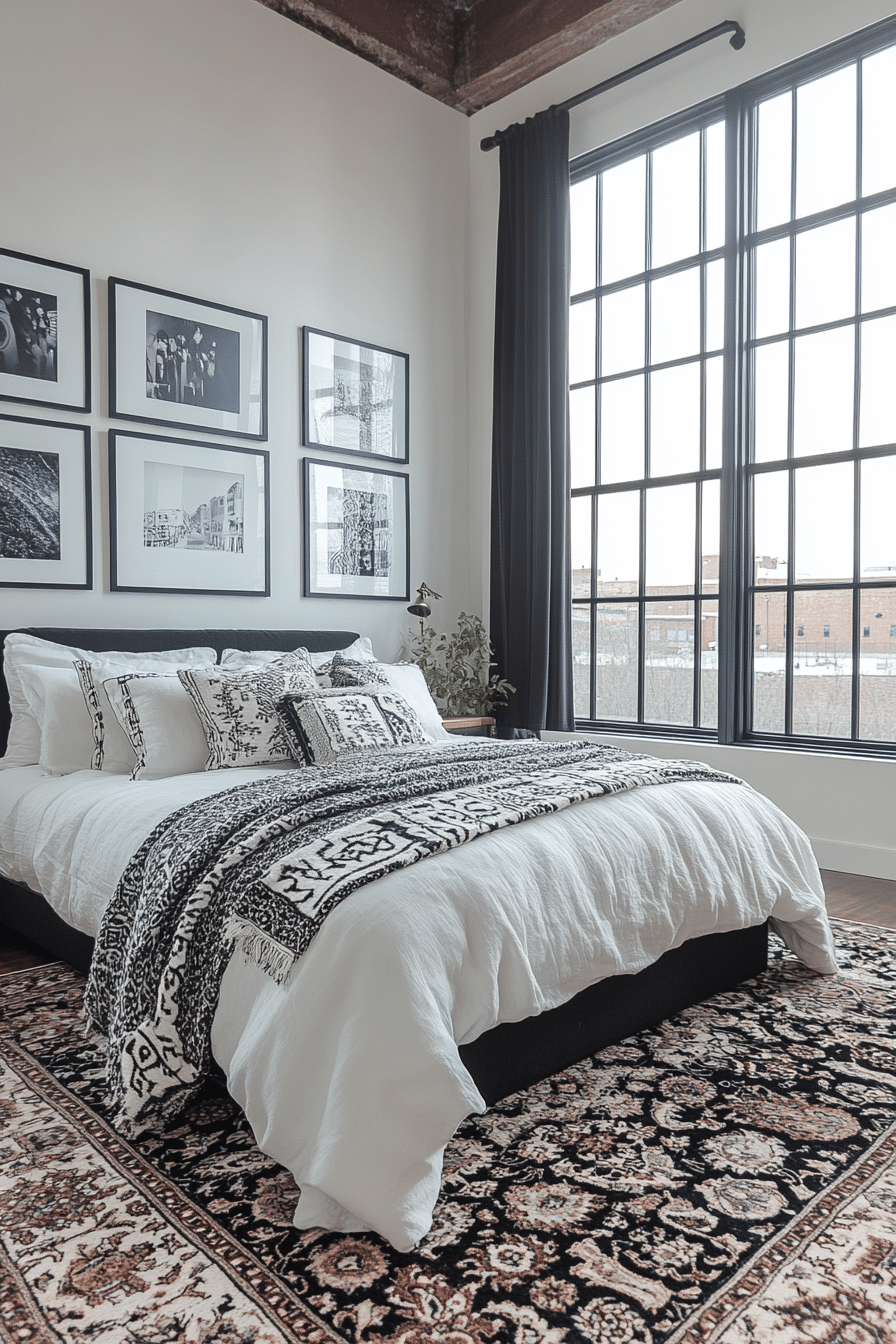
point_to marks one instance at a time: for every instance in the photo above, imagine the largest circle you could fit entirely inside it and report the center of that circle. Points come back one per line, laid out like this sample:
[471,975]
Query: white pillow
[409,682]
[237,708]
[113,749]
[55,702]
[360,651]
[328,726]
[162,726]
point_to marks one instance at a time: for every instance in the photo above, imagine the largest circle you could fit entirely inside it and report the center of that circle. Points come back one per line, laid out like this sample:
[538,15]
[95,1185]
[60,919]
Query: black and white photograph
[44,332]
[356,396]
[186,363]
[188,517]
[356,532]
[45,533]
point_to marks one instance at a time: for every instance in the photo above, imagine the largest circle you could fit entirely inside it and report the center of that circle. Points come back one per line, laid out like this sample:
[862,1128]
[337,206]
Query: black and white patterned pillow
[327,726]
[347,672]
[238,709]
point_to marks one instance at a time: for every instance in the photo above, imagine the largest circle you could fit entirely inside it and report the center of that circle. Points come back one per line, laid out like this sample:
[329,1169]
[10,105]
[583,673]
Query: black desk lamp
[420,607]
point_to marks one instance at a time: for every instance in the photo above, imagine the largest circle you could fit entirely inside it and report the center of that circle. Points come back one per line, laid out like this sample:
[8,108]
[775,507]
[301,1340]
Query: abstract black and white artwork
[185,362]
[44,332]
[356,396]
[45,532]
[188,517]
[356,532]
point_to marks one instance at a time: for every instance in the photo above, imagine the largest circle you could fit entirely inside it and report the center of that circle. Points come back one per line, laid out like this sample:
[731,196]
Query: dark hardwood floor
[869,900]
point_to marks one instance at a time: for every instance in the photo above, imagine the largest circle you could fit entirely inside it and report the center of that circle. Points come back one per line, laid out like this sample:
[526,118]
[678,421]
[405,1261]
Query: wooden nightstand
[470,727]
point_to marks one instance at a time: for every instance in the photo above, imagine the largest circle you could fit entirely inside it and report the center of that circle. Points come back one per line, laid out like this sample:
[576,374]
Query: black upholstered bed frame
[511,1056]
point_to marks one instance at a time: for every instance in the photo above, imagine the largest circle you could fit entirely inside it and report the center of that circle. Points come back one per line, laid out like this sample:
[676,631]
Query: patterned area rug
[729,1176]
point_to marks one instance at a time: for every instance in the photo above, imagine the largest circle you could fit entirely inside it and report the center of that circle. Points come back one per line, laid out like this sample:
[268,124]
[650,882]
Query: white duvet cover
[349,1074]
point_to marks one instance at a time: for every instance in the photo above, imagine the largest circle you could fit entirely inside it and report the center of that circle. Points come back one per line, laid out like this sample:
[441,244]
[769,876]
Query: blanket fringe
[272,957]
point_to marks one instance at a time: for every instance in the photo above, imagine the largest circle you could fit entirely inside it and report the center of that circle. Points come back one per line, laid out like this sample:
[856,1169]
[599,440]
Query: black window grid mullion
[698,589]
[592,634]
[788,604]
[855,707]
[642,601]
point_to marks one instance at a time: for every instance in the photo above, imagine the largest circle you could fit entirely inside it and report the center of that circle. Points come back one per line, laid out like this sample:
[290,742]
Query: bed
[355,1072]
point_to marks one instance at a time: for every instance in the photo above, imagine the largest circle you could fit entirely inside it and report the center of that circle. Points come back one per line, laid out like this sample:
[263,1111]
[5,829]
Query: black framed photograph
[188,517]
[186,363]
[356,396]
[44,332]
[357,531]
[46,529]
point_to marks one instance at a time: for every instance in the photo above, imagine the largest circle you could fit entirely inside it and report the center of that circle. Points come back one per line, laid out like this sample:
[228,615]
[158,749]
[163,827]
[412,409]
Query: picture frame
[188,517]
[186,363]
[46,516]
[356,396]
[44,332]
[356,531]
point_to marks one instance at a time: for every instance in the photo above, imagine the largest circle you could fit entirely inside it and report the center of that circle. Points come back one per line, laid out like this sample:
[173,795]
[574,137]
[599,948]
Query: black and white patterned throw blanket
[262,865]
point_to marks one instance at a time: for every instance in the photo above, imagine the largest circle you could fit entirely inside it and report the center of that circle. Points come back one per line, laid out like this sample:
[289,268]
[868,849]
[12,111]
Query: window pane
[581,662]
[675,316]
[709,665]
[823,525]
[622,430]
[878,504]
[618,534]
[877,398]
[771,302]
[675,198]
[877,666]
[623,211]
[616,673]
[715,185]
[709,543]
[879,258]
[879,122]
[771,382]
[826,142]
[824,377]
[769,685]
[822,667]
[580,545]
[773,162]
[715,305]
[669,663]
[770,527]
[581,341]
[713,384]
[671,538]
[622,331]
[581,437]
[675,420]
[826,273]
[582,235]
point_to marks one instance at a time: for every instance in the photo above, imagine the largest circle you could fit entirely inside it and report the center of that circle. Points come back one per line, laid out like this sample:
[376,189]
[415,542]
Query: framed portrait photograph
[188,517]
[46,530]
[44,332]
[355,396]
[186,363]
[357,531]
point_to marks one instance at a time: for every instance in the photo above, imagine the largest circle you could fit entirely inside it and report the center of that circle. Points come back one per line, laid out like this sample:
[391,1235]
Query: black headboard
[135,641]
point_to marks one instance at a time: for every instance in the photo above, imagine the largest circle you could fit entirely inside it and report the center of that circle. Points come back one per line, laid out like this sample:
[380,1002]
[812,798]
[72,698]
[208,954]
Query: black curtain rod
[738,38]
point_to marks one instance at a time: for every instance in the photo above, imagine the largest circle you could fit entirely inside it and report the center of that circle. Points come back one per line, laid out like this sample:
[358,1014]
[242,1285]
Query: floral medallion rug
[727,1177]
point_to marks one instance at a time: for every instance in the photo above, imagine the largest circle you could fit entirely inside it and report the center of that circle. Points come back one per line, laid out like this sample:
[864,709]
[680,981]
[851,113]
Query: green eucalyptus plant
[458,669]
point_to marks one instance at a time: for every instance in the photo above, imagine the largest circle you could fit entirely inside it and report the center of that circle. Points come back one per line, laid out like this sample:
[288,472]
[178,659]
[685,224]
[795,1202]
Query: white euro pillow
[162,726]
[54,699]
[359,651]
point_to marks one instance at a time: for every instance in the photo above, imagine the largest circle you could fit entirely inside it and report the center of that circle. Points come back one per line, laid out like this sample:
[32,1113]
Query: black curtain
[530,581]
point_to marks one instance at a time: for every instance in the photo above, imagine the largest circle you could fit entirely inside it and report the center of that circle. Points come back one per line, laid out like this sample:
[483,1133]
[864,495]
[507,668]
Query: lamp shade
[420,609]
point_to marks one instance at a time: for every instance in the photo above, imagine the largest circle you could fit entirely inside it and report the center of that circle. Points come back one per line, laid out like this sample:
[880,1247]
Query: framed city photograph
[46,531]
[355,396]
[188,517]
[357,531]
[44,332]
[186,363]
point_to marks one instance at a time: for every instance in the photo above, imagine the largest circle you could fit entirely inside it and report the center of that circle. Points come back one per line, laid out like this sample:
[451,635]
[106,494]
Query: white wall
[214,148]
[846,806]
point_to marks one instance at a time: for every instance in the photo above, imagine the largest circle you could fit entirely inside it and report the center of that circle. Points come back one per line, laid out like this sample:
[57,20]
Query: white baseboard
[866,860]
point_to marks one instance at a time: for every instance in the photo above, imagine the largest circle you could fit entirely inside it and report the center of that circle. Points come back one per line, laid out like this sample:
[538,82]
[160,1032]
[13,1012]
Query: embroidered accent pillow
[405,679]
[238,709]
[349,672]
[162,726]
[327,726]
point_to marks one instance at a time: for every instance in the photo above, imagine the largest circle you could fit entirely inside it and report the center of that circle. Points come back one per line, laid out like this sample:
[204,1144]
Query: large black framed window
[733,414]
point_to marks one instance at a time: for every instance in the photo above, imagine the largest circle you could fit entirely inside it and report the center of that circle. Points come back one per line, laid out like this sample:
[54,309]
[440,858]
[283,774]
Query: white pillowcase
[163,728]
[54,699]
[360,651]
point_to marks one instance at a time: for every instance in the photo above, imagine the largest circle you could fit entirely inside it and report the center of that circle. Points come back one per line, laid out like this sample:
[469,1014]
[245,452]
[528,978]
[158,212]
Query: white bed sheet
[349,1074]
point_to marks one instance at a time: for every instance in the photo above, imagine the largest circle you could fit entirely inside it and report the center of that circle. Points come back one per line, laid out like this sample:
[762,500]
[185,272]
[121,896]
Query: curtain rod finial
[738,38]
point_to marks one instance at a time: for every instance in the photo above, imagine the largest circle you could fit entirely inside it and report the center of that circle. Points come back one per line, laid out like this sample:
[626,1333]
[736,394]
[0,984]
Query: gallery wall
[213,148]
